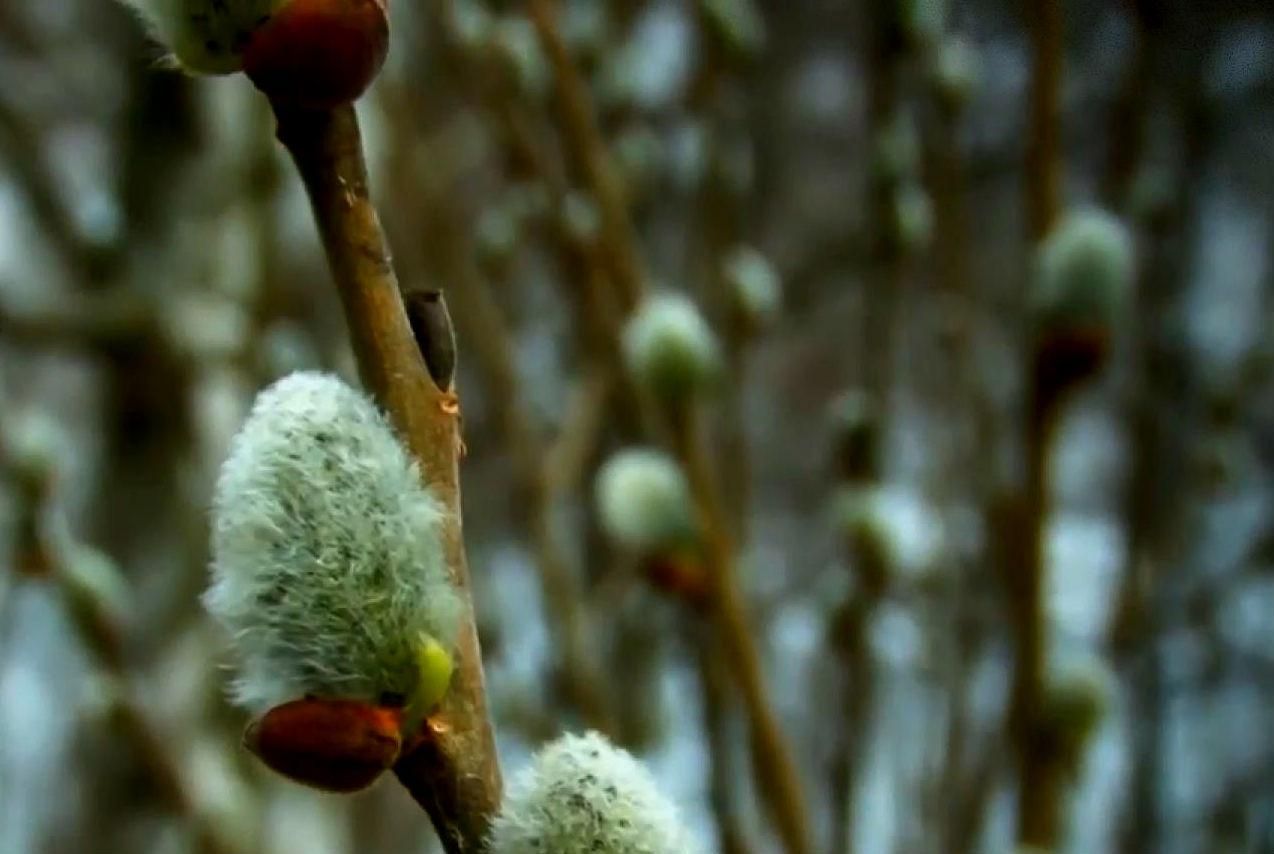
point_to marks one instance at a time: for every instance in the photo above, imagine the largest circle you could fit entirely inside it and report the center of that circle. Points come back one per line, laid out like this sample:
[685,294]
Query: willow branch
[1043,161]
[776,774]
[775,770]
[587,148]
[41,558]
[455,775]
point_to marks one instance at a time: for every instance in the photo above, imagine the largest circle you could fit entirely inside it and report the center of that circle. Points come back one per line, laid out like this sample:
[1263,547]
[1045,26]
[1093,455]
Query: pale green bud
[643,501]
[33,446]
[516,45]
[670,348]
[754,285]
[923,20]
[957,71]
[583,795]
[738,23]
[327,555]
[897,148]
[579,217]
[1085,271]
[913,217]
[1077,697]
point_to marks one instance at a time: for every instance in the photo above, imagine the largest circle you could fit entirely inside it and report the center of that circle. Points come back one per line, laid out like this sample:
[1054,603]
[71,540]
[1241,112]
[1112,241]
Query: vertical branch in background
[718,708]
[1038,786]
[730,37]
[91,586]
[588,149]
[965,785]
[888,155]
[1164,393]
[774,768]
[455,775]
[1043,135]
[857,471]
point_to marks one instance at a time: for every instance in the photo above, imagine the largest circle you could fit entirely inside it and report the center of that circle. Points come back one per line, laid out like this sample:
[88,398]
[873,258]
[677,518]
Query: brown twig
[455,776]
[1058,363]
[43,548]
[776,774]
[588,150]
[718,707]
[1043,161]
[1039,782]
[775,770]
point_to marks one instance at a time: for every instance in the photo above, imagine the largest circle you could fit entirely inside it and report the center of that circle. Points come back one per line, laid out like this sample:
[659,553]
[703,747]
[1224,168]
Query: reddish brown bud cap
[334,745]
[318,54]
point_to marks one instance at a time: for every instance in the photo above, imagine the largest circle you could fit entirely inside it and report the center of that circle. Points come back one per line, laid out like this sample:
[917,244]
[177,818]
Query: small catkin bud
[643,501]
[923,21]
[670,348]
[206,36]
[856,439]
[754,286]
[327,557]
[738,24]
[1077,698]
[1085,271]
[896,155]
[957,71]
[913,217]
[583,795]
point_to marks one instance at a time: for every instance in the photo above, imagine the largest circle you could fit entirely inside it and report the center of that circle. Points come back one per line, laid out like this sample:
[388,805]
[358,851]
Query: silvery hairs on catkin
[205,36]
[327,559]
[583,795]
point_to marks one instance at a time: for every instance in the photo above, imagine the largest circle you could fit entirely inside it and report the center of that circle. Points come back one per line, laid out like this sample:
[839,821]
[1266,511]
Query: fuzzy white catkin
[1085,269]
[205,36]
[755,285]
[670,348]
[583,795]
[327,559]
[643,500]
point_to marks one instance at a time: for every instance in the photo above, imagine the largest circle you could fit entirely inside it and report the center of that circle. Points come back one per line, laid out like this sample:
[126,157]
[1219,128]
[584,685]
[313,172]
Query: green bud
[754,286]
[643,501]
[957,71]
[1085,271]
[897,148]
[738,23]
[913,218]
[1077,698]
[670,349]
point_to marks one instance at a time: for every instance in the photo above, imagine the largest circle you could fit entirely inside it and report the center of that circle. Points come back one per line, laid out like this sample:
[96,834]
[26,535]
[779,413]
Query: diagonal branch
[455,776]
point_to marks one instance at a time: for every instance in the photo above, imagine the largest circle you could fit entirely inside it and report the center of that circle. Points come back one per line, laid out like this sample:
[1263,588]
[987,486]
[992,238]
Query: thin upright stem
[1043,161]
[588,150]
[776,774]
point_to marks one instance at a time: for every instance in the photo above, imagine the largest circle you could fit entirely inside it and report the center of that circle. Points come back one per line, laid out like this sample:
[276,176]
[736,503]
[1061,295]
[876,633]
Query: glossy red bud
[679,574]
[317,54]
[333,745]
